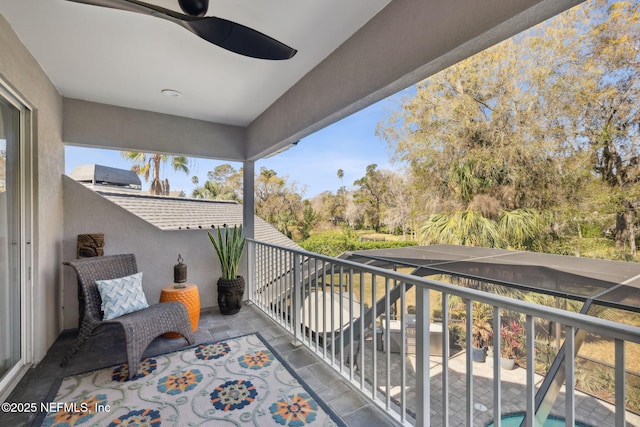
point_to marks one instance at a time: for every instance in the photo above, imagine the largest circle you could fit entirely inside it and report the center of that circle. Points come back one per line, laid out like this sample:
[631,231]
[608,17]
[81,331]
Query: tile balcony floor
[107,348]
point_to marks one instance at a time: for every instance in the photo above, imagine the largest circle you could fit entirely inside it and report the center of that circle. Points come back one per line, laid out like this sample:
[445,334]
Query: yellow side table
[189,296]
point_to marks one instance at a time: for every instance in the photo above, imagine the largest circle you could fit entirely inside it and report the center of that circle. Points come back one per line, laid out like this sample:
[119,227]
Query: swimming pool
[514,420]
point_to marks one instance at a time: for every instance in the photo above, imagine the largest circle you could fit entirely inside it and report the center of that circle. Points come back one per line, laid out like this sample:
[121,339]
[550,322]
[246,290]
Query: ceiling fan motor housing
[194,7]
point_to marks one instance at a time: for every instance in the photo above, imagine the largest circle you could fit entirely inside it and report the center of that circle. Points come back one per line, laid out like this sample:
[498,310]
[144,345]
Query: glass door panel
[10,239]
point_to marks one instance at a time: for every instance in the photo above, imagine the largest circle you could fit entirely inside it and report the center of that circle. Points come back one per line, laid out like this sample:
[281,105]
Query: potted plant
[228,245]
[510,343]
[482,331]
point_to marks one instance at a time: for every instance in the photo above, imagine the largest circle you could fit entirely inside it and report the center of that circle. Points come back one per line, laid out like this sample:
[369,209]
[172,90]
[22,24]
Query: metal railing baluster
[340,313]
[469,378]
[267,277]
[620,393]
[445,359]
[263,282]
[497,349]
[317,298]
[569,364]
[362,329]
[387,344]
[297,290]
[307,294]
[423,387]
[274,254]
[374,347]
[531,383]
[274,288]
[350,325]
[292,284]
[333,325]
[403,353]
[280,287]
[324,309]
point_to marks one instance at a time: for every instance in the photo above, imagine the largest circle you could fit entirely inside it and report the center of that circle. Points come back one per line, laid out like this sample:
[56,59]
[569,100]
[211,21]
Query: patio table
[187,294]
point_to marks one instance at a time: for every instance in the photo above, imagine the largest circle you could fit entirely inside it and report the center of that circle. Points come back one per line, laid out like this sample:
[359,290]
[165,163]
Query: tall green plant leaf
[228,246]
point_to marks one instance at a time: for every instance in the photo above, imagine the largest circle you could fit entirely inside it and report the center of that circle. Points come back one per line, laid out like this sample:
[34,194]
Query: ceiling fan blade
[239,39]
[228,35]
[135,6]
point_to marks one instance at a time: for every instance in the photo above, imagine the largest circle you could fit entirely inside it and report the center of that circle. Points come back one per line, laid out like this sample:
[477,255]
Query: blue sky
[350,145]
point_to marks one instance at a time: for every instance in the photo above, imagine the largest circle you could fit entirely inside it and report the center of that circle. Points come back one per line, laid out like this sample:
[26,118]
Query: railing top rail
[592,324]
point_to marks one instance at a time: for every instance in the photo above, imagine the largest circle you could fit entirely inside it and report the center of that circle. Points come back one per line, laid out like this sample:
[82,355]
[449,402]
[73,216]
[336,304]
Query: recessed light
[170,92]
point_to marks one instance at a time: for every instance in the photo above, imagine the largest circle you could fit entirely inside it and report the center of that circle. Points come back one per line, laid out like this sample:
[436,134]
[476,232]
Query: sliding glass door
[14,235]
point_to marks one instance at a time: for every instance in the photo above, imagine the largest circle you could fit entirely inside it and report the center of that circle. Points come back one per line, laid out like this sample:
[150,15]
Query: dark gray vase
[230,294]
[479,354]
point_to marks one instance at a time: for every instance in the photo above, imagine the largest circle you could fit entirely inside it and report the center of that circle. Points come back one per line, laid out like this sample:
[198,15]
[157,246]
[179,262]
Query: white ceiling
[125,59]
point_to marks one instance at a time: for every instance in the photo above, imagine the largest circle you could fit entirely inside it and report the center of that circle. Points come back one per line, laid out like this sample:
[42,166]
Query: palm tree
[516,228]
[147,163]
[462,227]
[520,227]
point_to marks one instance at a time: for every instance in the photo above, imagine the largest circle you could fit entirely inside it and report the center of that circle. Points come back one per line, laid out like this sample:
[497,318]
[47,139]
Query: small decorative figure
[90,245]
[179,273]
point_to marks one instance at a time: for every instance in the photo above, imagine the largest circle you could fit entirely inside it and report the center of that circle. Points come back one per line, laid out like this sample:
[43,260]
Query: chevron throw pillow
[122,296]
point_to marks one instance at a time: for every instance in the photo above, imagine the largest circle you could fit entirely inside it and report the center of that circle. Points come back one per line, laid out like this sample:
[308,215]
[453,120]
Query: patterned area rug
[238,381]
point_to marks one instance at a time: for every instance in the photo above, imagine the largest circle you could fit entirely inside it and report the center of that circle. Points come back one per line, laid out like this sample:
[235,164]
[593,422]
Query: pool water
[514,420]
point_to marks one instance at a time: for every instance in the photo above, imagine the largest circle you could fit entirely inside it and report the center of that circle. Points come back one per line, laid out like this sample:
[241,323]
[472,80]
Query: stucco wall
[107,126]
[156,250]
[20,71]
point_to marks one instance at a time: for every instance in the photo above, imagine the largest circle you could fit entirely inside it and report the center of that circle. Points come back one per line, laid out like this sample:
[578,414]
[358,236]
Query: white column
[248,225]
[248,203]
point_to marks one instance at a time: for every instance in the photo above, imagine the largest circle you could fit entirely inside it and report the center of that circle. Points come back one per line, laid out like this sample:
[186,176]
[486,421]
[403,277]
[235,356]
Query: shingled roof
[179,213]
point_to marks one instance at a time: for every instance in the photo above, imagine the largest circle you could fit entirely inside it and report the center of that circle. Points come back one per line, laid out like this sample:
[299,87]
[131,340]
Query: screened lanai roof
[609,283]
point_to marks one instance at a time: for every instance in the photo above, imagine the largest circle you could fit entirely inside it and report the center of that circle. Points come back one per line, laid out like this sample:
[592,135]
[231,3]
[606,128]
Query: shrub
[334,243]
[331,243]
[590,230]
[511,339]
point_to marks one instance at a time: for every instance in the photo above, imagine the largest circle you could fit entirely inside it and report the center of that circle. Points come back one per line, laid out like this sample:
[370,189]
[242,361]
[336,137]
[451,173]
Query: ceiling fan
[221,32]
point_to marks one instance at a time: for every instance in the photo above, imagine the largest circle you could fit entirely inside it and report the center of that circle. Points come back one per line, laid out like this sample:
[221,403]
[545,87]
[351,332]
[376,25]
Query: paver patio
[589,410]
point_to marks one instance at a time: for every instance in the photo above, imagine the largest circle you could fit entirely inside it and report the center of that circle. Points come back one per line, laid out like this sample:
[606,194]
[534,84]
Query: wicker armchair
[140,327]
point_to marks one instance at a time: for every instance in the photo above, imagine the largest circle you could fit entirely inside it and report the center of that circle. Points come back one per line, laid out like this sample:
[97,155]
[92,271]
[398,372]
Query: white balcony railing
[355,317]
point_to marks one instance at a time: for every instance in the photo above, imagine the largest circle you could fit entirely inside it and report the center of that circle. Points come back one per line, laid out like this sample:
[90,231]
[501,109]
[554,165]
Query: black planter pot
[230,294]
